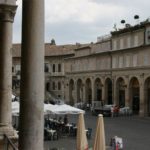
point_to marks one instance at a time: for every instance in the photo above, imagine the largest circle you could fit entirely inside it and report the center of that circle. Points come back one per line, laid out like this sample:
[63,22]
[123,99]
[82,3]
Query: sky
[82,21]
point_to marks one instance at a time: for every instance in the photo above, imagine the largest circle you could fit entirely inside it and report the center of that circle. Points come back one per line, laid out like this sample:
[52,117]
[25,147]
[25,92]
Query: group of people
[64,121]
[115,111]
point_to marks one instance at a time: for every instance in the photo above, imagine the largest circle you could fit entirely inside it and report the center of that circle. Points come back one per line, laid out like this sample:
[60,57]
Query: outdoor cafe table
[51,132]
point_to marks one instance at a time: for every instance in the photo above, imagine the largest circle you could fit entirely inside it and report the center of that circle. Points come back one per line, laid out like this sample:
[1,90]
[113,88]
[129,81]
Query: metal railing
[9,145]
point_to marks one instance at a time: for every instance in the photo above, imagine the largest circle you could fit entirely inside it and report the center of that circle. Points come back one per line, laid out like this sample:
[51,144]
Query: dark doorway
[121,98]
[136,101]
[99,95]
[109,92]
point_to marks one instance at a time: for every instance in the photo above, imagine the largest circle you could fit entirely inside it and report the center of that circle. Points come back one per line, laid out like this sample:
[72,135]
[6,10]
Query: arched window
[59,86]
[53,85]
[53,67]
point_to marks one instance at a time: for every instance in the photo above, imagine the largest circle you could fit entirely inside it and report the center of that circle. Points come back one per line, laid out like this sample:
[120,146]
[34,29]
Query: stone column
[83,92]
[114,92]
[75,91]
[32,76]
[127,96]
[7,13]
[142,106]
[93,90]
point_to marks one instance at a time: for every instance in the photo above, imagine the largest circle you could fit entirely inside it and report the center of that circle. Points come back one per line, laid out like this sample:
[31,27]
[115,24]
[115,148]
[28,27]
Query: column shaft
[127,96]
[32,76]
[142,106]
[93,90]
[114,93]
[7,13]
[103,95]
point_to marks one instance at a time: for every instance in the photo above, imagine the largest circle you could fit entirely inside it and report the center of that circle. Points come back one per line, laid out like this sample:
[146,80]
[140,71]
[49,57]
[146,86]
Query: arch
[108,91]
[88,91]
[97,89]
[120,89]
[71,89]
[147,95]
[134,87]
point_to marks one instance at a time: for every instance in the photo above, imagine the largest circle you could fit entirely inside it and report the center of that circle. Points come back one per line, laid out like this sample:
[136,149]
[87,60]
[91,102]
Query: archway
[98,90]
[88,91]
[135,95]
[147,95]
[108,90]
[120,89]
[79,91]
[71,88]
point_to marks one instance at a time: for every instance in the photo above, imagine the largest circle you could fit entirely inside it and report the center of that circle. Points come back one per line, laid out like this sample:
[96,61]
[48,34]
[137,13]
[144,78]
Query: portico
[32,70]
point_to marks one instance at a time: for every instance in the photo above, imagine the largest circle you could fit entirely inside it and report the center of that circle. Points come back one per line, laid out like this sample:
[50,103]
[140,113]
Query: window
[53,85]
[128,42]
[13,69]
[47,86]
[59,86]
[59,67]
[114,63]
[46,69]
[146,58]
[134,60]
[114,44]
[136,40]
[120,61]
[53,67]
[18,68]
[121,43]
[127,61]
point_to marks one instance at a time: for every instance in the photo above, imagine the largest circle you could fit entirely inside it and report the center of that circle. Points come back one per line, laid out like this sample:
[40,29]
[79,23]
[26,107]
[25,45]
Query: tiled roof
[50,50]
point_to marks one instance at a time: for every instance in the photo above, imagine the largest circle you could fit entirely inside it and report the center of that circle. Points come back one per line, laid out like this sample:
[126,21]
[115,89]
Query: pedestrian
[65,119]
[112,111]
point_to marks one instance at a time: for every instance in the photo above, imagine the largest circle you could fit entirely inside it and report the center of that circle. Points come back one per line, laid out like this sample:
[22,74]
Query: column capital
[7,12]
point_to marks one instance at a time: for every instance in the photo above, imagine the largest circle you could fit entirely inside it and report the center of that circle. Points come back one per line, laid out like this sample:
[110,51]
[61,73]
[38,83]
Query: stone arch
[108,91]
[71,91]
[134,92]
[120,89]
[79,90]
[88,91]
[147,95]
[97,89]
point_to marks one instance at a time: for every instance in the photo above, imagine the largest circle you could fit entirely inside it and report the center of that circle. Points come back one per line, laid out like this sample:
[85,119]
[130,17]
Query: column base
[10,132]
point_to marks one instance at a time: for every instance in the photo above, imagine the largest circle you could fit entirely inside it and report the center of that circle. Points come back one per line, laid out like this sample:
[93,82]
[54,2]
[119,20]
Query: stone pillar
[127,96]
[114,92]
[103,94]
[32,76]
[93,90]
[84,98]
[142,106]
[75,92]
[7,13]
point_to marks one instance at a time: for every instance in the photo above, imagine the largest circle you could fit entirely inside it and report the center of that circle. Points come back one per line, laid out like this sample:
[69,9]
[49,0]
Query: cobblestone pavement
[134,130]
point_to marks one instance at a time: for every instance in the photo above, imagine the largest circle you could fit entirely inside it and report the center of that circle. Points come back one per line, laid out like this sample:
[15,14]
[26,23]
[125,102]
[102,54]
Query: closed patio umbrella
[99,141]
[82,143]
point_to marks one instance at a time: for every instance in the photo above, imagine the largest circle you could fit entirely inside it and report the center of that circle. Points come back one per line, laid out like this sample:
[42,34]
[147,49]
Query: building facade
[115,70]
